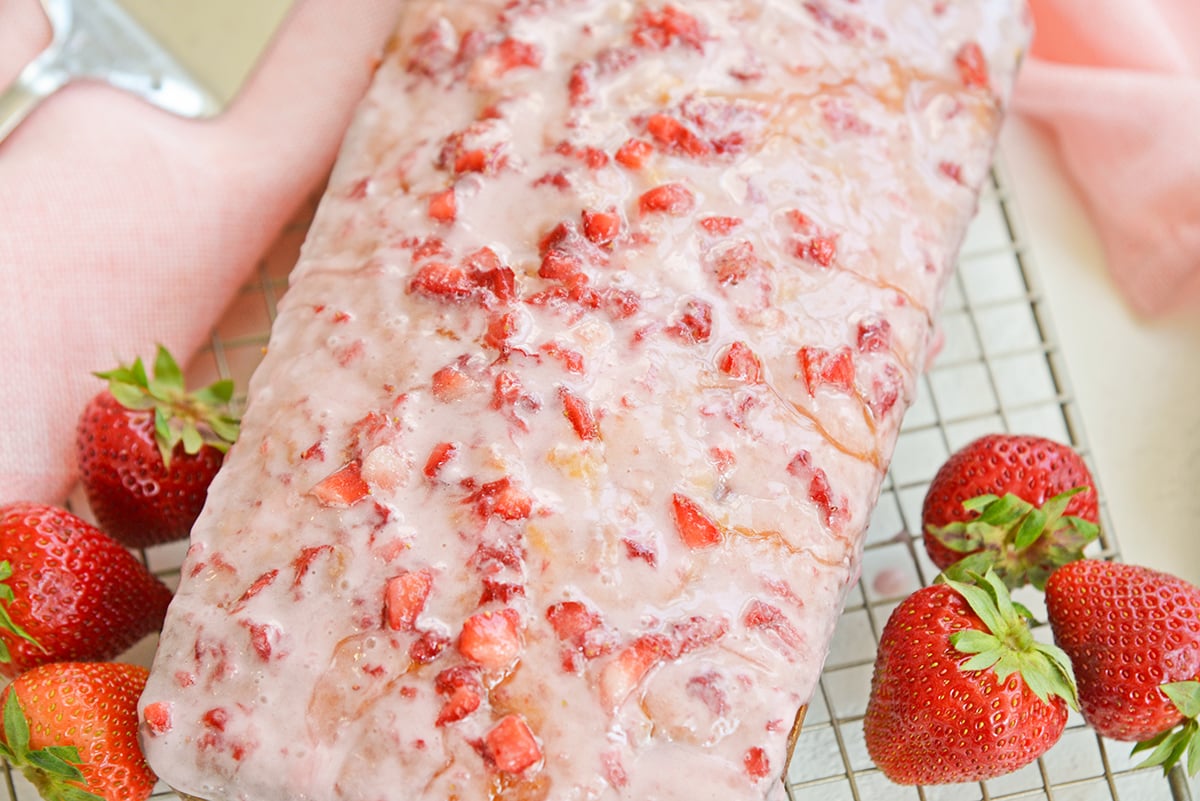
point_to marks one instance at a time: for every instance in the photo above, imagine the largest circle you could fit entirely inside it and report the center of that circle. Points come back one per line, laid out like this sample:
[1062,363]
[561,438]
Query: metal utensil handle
[41,77]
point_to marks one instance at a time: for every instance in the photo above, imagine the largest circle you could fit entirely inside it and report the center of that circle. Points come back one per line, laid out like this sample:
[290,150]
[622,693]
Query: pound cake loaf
[555,474]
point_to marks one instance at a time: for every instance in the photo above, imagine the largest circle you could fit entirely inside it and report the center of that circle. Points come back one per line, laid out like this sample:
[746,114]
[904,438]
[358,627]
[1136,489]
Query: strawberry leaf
[6,622]
[16,727]
[166,369]
[1185,695]
[218,393]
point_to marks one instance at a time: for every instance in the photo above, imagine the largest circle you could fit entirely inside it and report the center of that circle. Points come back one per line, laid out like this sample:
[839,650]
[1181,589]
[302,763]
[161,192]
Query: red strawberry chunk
[694,323]
[450,384]
[492,639]
[572,620]
[762,615]
[675,137]
[462,702]
[741,363]
[820,249]
[502,499]
[827,368]
[427,647]
[601,227]
[579,412]
[511,745]
[674,199]
[972,65]
[443,206]
[720,226]
[756,763]
[344,487]
[441,454]
[695,528]
[579,85]
[874,335]
[621,676]
[442,281]
[559,265]
[502,591]
[157,715]
[404,597]
[513,53]
[695,632]
[634,153]
[501,329]
[659,29]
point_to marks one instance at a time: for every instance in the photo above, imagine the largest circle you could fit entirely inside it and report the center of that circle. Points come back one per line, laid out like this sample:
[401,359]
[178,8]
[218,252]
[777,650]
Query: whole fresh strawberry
[961,690]
[1133,635]
[72,729]
[147,450]
[1021,505]
[71,592]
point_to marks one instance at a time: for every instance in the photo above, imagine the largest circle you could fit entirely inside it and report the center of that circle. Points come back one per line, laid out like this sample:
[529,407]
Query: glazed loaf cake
[555,474]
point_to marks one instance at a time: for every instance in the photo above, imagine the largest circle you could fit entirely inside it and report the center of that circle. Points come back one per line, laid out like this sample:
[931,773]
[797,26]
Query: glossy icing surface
[555,474]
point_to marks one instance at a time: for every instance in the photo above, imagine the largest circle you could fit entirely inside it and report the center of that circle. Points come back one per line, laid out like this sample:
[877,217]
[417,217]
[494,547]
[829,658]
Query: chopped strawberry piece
[695,632]
[559,265]
[513,53]
[826,368]
[707,688]
[601,227]
[659,29]
[756,763]
[492,639]
[443,206]
[427,647]
[304,561]
[442,281]
[694,324]
[741,363]
[675,137]
[972,65]
[256,586]
[157,715]
[620,676]
[694,527]
[502,499]
[263,638]
[462,702]
[952,170]
[500,281]
[571,621]
[634,153]
[579,85]
[720,226]
[344,487]
[501,329]
[762,615]
[674,199]
[502,591]
[450,383]
[874,335]
[820,249]
[638,550]
[572,360]
[511,745]
[441,454]
[472,161]
[452,678]
[580,415]
[833,509]
[733,264]
[404,597]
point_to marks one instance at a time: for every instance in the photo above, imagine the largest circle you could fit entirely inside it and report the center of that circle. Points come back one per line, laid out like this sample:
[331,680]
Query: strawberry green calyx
[195,418]
[6,621]
[1169,748]
[53,770]
[1023,543]
[1008,645]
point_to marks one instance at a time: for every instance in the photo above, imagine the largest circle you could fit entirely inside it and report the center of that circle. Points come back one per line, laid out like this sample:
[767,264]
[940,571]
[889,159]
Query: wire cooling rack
[1000,369]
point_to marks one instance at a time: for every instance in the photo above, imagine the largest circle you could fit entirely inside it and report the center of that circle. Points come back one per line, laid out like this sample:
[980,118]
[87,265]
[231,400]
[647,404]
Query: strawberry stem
[194,419]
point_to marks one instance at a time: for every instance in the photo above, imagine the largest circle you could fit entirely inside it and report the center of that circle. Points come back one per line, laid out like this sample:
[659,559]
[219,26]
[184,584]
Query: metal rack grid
[999,369]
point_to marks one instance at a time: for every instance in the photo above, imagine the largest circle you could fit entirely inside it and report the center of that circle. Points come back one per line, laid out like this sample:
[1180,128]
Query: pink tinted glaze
[555,473]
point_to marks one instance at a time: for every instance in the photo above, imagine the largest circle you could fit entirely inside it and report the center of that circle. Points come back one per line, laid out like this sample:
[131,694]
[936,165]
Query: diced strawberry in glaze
[694,322]
[572,620]
[443,206]
[634,153]
[450,679]
[258,585]
[874,335]
[756,763]
[762,615]
[639,550]
[739,362]
[695,632]
[404,598]
[473,161]
[720,226]
[707,688]
[442,281]
[503,499]
[501,329]
[675,137]
[492,639]
[660,28]
[674,199]
[579,85]
[972,66]
[441,454]
[500,282]
[450,384]
[832,509]
[427,647]
[502,591]
[511,745]
[461,702]
[559,265]
[694,527]
[342,488]
[952,170]
[820,249]
[514,53]
[304,561]
[621,676]
[825,368]
[579,413]
[601,227]
[157,715]
[571,360]
[263,638]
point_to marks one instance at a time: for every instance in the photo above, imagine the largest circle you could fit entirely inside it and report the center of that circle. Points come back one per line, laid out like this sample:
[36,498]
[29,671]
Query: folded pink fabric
[122,226]
[1118,84]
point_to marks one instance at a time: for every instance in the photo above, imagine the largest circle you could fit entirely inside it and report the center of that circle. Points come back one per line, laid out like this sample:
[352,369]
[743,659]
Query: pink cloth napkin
[1118,84]
[122,225]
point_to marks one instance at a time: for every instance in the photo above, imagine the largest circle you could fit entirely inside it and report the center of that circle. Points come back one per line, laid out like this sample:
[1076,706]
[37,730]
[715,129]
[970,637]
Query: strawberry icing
[554,477]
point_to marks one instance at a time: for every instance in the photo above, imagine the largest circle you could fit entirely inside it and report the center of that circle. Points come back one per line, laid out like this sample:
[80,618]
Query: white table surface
[1136,380]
